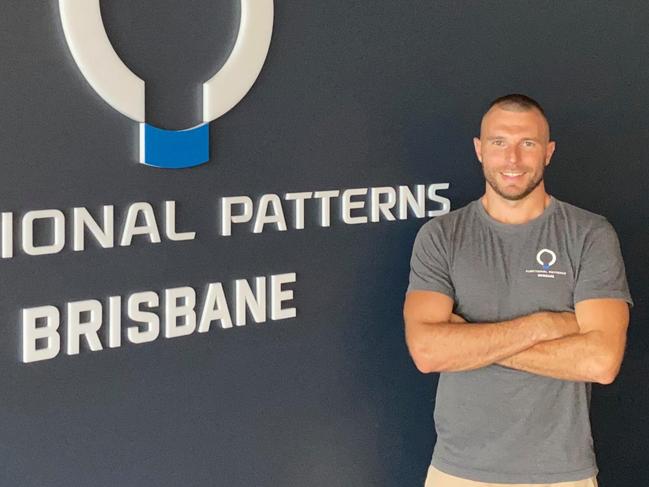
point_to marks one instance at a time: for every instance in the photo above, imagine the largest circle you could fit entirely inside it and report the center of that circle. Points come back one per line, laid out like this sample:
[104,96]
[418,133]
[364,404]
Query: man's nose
[512,154]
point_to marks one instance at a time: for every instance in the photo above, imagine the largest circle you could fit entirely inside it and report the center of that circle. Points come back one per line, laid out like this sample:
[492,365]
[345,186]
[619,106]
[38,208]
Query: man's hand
[457,319]
[556,324]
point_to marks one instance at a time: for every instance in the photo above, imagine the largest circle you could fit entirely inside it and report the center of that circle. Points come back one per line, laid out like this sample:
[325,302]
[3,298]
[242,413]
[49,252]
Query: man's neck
[515,212]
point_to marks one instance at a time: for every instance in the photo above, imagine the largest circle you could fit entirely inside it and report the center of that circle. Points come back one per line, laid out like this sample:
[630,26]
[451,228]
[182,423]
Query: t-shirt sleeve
[601,268]
[429,264]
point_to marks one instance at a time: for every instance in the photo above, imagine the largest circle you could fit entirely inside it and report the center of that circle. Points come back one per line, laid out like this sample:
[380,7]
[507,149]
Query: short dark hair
[517,101]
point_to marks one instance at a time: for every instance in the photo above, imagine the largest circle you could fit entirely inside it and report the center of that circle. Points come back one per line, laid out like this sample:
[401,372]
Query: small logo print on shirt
[546,259]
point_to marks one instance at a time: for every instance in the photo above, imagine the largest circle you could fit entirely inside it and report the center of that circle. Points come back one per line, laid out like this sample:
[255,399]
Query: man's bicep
[427,307]
[422,310]
[607,317]
[601,273]
[610,316]
[429,263]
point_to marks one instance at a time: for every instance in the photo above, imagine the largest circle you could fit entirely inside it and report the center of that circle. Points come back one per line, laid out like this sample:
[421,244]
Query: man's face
[514,148]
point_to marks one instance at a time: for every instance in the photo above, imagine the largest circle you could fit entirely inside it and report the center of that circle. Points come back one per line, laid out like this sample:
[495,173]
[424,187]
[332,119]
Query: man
[520,301]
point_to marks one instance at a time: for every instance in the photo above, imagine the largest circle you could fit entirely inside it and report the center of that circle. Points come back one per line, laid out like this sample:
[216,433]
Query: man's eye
[498,142]
[529,143]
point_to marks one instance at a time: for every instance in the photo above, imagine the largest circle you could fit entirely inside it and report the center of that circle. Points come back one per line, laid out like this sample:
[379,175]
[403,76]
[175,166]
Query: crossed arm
[587,345]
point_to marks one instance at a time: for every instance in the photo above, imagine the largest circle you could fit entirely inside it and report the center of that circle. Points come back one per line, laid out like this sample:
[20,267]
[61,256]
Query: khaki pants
[436,478]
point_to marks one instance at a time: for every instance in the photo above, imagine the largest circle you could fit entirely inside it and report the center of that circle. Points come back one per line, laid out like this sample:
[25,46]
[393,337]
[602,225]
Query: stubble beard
[491,180]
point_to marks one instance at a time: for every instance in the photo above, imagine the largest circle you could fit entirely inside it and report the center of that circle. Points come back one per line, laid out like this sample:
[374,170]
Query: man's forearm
[454,347]
[575,358]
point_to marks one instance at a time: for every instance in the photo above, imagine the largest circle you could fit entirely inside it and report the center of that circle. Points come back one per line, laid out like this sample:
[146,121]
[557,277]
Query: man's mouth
[512,175]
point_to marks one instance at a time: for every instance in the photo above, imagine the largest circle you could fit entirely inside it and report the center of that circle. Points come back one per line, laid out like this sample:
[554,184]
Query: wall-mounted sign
[179,311]
[124,91]
[106,320]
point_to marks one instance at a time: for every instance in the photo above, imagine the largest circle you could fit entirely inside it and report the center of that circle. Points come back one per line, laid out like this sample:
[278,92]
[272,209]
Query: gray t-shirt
[497,424]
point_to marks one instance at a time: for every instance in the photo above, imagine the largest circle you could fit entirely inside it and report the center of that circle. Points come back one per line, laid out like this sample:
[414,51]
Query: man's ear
[477,145]
[550,150]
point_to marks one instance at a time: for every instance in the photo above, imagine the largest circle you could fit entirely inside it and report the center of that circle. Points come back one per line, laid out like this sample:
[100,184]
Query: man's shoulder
[581,217]
[448,220]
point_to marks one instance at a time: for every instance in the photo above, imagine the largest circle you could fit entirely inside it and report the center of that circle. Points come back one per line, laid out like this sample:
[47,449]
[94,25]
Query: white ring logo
[124,91]
[553,258]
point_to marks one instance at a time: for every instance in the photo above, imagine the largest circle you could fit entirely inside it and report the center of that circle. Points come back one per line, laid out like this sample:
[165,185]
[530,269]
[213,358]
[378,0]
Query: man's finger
[457,318]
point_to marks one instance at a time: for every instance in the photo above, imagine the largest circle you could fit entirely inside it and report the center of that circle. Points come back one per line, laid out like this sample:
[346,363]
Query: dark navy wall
[353,94]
